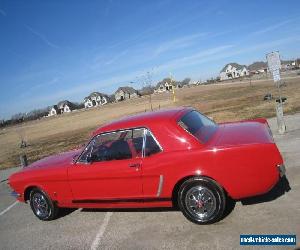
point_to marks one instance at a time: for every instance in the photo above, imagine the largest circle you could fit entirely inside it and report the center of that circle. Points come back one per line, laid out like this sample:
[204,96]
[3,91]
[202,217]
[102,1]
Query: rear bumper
[281,169]
[279,189]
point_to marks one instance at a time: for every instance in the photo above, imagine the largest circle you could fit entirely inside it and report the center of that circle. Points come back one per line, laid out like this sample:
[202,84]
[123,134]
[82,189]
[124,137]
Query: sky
[57,50]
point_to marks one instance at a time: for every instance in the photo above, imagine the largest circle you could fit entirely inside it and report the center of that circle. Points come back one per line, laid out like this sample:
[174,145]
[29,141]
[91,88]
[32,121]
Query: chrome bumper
[281,169]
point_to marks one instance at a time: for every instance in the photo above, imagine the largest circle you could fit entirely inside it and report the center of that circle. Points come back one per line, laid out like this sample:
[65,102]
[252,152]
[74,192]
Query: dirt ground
[222,102]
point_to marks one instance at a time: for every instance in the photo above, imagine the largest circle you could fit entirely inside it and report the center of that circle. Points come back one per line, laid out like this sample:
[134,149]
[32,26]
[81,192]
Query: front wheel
[42,206]
[201,200]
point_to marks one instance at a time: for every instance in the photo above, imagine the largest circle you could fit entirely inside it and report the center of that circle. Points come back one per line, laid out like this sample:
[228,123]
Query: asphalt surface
[158,228]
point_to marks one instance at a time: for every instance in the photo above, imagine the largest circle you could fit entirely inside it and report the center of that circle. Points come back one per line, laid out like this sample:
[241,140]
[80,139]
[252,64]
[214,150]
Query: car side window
[111,146]
[152,147]
[135,141]
[120,145]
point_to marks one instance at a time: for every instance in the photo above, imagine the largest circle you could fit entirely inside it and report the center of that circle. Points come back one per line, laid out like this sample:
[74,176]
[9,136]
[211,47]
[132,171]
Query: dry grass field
[222,102]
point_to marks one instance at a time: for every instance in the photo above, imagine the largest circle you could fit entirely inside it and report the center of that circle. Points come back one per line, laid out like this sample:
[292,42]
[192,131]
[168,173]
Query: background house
[95,99]
[124,93]
[258,67]
[233,70]
[54,111]
[66,106]
[167,84]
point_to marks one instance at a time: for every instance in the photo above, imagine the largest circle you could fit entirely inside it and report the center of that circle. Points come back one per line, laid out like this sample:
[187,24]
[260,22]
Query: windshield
[198,125]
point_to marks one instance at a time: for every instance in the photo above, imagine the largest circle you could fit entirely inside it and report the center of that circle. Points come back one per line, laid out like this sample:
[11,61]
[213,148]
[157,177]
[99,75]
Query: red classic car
[174,157]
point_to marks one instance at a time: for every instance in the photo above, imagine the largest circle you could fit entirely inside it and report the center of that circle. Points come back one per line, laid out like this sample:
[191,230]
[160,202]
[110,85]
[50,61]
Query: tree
[185,81]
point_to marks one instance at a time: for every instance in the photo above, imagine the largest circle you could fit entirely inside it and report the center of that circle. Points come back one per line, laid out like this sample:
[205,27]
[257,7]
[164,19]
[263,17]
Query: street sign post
[274,65]
[276,76]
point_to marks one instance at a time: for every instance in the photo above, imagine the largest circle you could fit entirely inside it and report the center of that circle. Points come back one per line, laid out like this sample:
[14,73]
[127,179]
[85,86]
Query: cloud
[272,45]
[196,58]
[116,58]
[82,88]
[178,43]
[41,36]
[271,28]
[35,87]
[2,12]
[221,52]
[127,77]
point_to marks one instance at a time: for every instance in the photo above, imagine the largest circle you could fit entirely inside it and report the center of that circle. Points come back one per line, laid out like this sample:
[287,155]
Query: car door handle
[134,165]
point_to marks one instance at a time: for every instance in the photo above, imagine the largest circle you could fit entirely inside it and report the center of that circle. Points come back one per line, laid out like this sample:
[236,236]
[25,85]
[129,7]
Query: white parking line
[101,231]
[5,210]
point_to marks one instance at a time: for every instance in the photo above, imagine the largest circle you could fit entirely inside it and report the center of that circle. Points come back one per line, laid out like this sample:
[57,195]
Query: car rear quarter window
[198,125]
[152,146]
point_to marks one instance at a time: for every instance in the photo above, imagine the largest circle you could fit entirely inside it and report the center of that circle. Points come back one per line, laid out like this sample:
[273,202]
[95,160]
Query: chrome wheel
[40,205]
[200,202]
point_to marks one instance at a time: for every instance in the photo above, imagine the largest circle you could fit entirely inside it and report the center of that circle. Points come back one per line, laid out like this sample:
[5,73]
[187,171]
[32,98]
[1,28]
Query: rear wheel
[201,200]
[42,206]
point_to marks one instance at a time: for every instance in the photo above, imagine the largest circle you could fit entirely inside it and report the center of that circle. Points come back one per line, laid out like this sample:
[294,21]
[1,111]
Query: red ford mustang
[158,159]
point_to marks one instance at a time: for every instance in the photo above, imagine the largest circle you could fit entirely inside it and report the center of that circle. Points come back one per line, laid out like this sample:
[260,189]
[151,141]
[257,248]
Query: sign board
[276,75]
[273,60]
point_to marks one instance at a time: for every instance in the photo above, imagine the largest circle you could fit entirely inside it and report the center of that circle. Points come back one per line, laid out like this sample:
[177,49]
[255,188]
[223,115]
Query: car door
[109,168]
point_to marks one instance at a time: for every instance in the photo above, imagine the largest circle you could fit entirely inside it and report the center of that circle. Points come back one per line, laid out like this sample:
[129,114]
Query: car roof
[145,119]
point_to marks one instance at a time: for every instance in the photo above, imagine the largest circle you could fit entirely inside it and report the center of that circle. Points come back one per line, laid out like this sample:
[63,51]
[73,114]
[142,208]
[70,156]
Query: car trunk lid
[244,132]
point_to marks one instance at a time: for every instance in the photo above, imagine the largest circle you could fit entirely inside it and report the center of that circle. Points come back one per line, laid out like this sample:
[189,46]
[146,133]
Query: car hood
[58,160]
[244,132]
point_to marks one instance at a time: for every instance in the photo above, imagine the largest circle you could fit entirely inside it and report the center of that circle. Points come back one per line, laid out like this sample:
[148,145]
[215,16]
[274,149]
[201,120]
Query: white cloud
[196,58]
[178,43]
[127,77]
[41,36]
[116,57]
[271,28]
[35,87]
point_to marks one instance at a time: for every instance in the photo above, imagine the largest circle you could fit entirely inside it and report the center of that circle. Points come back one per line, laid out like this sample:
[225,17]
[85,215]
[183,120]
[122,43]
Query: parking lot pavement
[159,228]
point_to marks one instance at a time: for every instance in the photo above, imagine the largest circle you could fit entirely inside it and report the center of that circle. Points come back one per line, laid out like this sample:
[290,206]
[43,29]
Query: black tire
[42,206]
[201,200]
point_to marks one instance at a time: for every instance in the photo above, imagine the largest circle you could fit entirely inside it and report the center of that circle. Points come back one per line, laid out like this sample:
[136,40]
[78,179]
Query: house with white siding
[164,86]
[167,84]
[233,70]
[66,106]
[54,111]
[62,107]
[95,99]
